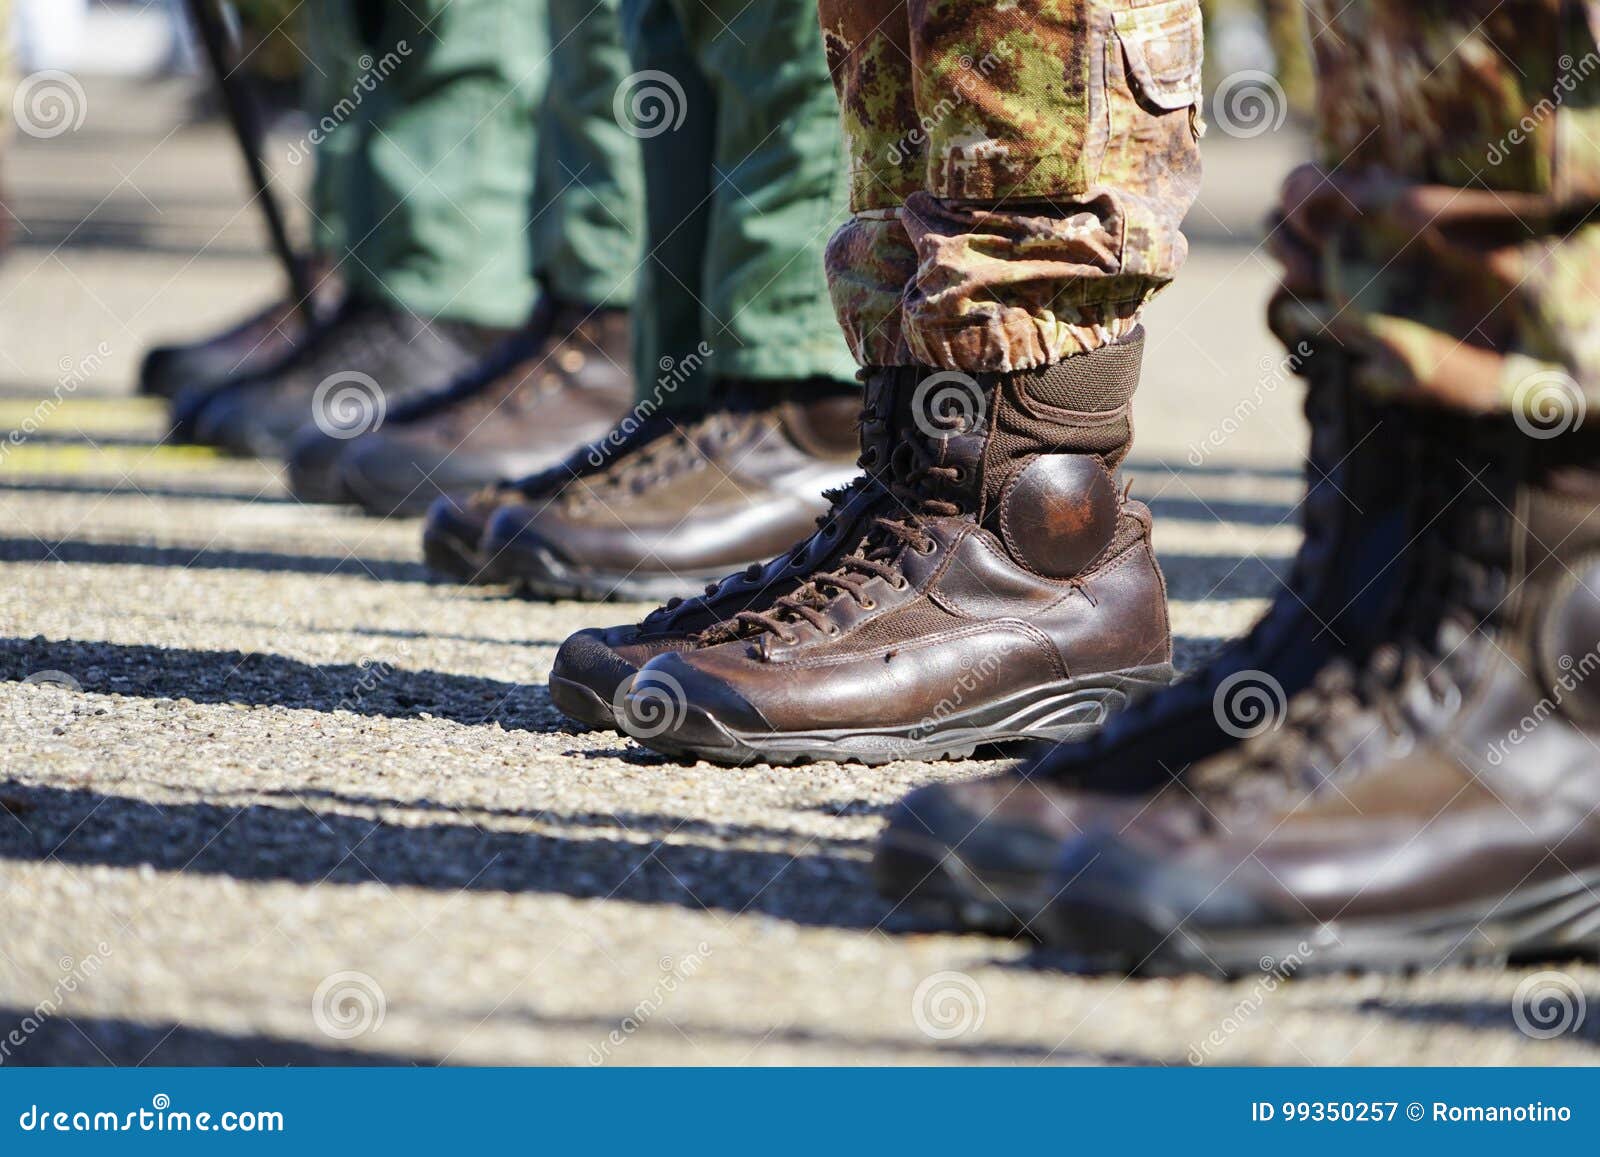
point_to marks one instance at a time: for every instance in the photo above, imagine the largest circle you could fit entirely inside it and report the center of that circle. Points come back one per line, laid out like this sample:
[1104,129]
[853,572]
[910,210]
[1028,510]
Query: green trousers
[467,152]
[747,179]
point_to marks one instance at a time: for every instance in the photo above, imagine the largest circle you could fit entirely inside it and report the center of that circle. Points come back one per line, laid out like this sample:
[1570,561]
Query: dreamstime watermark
[973,677]
[650,709]
[947,1005]
[1548,1004]
[160,1117]
[674,373]
[374,674]
[1274,374]
[674,973]
[73,373]
[1248,103]
[1248,703]
[49,103]
[1569,74]
[649,103]
[373,73]
[348,404]
[956,90]
[1548,403]
[348,1004]
[947,403]
[1570,675]
[51,702]
[1274,973]
[75,972]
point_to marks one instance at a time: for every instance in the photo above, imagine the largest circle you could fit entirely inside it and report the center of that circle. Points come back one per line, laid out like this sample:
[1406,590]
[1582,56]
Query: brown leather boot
[983,850]
[691,497]
[453,530]
[1435,799]
[593,667]
[456,527]
[570,388]
[1011,593]
[263,339]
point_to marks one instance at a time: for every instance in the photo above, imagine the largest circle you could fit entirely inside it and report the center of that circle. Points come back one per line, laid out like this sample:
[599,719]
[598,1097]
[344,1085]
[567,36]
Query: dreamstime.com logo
[674,974]
[1548,1004]
[373,73]
[1248,703]
[1548,403]
[1274,974]
[49,103]
[650,103]
[1249,103]
[75,973]
[966,85]
[74,373]
[348,1004]
[947,1005]
[348,404]
[45,701]
[947,403]
[652,708]
[1275,373]
[159,1117]
[1573,674]
[674,373]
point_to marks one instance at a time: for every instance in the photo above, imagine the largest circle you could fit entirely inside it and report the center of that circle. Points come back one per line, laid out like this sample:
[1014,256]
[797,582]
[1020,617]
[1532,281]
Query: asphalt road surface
[269,796]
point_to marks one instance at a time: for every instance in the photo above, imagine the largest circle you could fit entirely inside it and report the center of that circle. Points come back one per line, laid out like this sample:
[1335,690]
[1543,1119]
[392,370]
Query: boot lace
[920,483]
[838,498]
[664,452]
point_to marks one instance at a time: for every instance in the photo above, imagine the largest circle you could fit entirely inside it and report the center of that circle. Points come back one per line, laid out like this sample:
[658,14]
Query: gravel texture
[269,796]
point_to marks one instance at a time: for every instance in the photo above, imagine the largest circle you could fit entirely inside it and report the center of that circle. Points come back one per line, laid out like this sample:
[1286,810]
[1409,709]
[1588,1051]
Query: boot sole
[1559,919]
[454,559]
[1059,713]
[582,704]
[924,873]
[537,574]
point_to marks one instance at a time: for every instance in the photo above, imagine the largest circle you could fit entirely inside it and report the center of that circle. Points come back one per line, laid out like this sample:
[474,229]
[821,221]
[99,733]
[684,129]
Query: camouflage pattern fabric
[1446,233]
[1019,173]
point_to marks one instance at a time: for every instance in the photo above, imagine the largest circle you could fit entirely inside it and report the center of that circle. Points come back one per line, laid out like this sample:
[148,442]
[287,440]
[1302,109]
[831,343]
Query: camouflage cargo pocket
[1059,99]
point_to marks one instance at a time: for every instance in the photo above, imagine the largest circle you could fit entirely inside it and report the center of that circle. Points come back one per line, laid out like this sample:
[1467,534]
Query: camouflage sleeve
[1020,170]
[1445,232]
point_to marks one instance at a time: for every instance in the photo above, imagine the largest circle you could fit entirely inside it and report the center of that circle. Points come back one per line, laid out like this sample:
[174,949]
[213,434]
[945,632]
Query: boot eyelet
[869,605]
[930,548]
[833,630]
[901,585]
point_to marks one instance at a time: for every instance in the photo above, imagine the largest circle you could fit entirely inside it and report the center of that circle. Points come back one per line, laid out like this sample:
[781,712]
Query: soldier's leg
[747,179]
[442,115]
[339,210]
[746,414]
[447,115]
[1432,797]
[669,107]
[588,218]
[779,193]
[1019,173]
[569,377]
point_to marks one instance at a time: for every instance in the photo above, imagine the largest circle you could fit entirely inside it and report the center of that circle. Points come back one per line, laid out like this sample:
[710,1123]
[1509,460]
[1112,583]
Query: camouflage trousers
[1019,173]
[1448,232]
